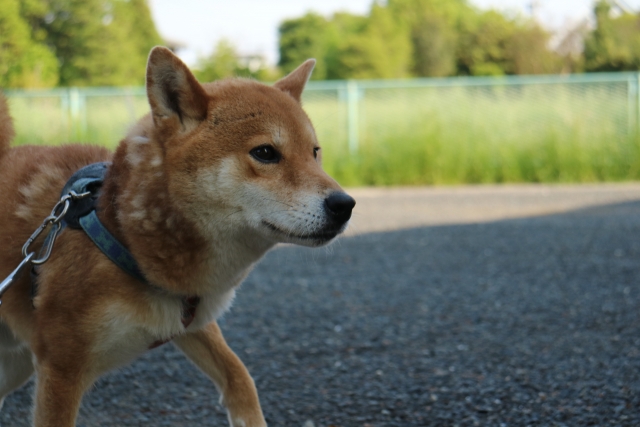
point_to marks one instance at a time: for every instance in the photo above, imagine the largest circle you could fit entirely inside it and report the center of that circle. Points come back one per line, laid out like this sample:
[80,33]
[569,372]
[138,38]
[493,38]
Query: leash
[54,219]
[76,209]
[82,215]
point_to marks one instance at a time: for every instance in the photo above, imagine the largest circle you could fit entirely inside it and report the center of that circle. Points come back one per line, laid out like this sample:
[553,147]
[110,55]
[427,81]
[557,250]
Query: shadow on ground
[532,321]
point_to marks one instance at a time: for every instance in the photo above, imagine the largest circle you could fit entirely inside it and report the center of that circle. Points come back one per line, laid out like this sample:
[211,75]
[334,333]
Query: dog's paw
[237,422]
[245,422]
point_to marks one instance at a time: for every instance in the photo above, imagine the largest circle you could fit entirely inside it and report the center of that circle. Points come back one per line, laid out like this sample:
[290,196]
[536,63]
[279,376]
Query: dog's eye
[315,152]
[266,154]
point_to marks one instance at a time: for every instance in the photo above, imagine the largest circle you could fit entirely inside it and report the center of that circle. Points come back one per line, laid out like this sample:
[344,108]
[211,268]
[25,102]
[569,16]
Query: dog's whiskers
[279,201]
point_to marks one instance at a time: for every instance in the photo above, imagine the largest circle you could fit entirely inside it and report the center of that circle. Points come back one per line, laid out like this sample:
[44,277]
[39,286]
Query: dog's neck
[171,250]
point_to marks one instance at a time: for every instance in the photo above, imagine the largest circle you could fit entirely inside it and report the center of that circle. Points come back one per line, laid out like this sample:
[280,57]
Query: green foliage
[434,28]
[303,38]
[527,52]
[225,61]
[496,45]
[368,48]
[483,49]
[386,46]
[100,43]
[142,28]
[24,60]
[434,45]
[425,38]
[75,42]
[346,46]
[614,45]
[341,56]
[417,38]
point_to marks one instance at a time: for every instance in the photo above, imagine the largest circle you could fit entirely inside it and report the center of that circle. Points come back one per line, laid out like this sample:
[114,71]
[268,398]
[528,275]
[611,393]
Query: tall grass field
[449,131]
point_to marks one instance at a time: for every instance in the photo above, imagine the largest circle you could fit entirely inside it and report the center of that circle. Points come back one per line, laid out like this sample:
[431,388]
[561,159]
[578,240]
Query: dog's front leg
[210,352]
[58,394]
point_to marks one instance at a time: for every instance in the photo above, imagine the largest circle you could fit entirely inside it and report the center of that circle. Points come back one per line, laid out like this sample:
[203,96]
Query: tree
[24,62]
[143,28]
[497,45]
[482,50]
[347,45]
[303,38]
[434,27]
[378,49]
[614,45]
[434,43]
[570,47]
[97,42]
[527,52]
[400,38]
[389,48]
[343,45]
[225,61]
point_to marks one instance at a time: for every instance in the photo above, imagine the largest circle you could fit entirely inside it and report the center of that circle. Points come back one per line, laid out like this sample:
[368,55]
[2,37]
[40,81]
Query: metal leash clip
[55,217]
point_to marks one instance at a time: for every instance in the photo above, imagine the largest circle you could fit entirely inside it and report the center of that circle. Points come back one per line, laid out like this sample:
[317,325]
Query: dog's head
[240,154]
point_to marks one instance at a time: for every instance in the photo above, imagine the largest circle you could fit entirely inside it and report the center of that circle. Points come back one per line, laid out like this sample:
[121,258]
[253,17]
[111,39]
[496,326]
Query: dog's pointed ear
[174,93]
[294,82]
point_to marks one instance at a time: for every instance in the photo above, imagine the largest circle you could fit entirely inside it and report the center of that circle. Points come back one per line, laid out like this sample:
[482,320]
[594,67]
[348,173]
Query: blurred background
[405,92]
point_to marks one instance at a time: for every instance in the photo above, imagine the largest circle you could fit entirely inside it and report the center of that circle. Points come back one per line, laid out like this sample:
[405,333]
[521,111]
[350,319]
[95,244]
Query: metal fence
[352,114]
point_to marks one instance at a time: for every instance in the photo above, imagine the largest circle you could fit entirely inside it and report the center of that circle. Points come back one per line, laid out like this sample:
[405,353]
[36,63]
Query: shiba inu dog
[197,192]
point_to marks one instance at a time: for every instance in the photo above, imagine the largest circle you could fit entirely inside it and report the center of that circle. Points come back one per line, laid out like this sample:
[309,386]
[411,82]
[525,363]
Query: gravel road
[487,306]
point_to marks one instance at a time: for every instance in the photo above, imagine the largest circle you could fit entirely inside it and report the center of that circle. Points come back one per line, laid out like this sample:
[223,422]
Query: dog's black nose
[339,205]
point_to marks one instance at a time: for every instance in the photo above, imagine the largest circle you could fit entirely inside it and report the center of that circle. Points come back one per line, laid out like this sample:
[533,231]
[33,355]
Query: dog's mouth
[319,237]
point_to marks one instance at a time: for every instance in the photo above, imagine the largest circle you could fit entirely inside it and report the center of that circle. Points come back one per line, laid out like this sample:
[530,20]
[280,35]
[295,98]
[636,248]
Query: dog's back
[31,178]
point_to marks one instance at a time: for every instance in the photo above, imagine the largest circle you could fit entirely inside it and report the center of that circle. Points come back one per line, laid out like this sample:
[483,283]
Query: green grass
[427,135]
[485,135]
[103,120]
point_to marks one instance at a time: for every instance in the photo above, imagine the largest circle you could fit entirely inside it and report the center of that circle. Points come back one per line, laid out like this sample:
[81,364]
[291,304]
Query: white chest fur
[128,330]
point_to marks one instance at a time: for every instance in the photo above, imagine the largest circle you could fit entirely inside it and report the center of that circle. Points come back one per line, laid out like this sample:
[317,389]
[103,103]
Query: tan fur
[193,205]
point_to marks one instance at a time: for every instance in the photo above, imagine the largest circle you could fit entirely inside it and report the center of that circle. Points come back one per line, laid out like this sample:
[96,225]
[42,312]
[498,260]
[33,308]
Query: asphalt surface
[489,306]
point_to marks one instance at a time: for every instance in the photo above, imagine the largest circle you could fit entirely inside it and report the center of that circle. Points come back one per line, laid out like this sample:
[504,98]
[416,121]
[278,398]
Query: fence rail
[78,113]
[599,111]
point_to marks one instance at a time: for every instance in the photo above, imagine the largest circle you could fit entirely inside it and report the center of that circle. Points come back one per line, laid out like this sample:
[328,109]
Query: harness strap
[82,215]
[109,245]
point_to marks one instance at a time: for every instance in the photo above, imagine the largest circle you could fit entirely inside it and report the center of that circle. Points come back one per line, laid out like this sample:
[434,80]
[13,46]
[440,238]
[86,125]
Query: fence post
[74,111]
[352,115]
[637,118]
[632,104]
[77,114]
[65,113]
